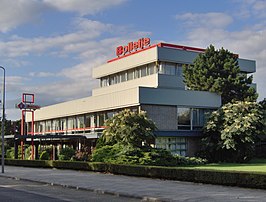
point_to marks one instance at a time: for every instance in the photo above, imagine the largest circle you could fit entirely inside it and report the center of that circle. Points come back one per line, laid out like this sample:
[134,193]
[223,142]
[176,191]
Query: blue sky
[49,47]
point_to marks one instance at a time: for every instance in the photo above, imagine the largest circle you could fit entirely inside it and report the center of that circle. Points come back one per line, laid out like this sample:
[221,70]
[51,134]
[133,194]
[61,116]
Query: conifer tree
[218,71]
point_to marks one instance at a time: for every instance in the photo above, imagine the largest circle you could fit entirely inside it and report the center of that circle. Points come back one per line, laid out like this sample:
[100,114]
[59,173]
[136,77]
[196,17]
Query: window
[123,76]
[179,70]
[55,125]
[143,71]
[169,68]
[130,74]
[100,120]
[150,69]
[177,145]
[63,124]
[137,73]
[48,126]
[80,122]
[87,121]
[104,81]
[183,118]
[71,123]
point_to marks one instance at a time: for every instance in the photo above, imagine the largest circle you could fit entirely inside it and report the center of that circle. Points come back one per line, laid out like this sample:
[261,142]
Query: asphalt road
[12,190]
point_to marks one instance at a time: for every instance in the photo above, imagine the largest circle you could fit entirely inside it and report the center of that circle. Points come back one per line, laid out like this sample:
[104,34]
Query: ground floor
[178,128]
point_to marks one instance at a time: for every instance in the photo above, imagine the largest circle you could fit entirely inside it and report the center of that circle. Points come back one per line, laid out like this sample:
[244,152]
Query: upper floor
[146,67]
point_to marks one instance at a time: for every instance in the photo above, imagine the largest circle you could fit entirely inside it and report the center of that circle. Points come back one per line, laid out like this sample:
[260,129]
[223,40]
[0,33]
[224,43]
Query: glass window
[161,68]
[118,78]
[63,124]
[101,118]
[48,125]
[150,69]
[130,74]
[55,124]
[137,73]
[70,123]
[179,70]
[123,76]
[169,68]
[143,71]
[39,126]
[80,122]
[183,118]
[177,145]
[112,79]
[88,121]
[110,114]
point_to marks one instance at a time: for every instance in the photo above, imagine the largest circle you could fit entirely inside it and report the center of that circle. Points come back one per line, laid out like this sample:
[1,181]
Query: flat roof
[165,45]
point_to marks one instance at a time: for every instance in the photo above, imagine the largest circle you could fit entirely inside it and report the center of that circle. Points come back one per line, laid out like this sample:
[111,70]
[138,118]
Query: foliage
[128,128]
[218,71]
[120,154]
[83,154]
[46,154]
[194,174]
[66,153]
[122,143]
[231,132]
[10,153]
[263,105]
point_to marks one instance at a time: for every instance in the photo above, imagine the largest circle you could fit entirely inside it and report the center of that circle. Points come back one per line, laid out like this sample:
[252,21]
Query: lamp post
[3,120]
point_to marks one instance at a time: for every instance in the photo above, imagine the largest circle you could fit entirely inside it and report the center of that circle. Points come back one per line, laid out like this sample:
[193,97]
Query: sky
[49,47]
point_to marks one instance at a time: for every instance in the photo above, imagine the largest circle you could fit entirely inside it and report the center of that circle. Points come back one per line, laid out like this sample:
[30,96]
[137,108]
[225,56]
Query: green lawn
[256,165]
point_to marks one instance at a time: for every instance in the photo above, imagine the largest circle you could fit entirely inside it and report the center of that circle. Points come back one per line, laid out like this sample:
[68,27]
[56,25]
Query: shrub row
[241,179]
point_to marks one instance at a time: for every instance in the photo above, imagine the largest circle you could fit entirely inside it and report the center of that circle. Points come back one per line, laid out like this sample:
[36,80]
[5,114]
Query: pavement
[145,189]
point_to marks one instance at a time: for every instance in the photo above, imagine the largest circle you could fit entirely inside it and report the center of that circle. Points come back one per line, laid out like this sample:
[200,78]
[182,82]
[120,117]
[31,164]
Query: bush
[119,154]
[106,153]
[83,155]
[45,155]
[67,153]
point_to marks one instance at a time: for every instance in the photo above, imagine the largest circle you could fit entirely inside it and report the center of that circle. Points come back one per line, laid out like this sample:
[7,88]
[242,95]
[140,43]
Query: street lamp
[3,119]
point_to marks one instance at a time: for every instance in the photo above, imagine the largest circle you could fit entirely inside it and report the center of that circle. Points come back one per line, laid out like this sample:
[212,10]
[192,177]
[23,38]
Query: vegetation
[218,71]
[127,139]
[66,153]
[128,128]
[231,132]
[191,173]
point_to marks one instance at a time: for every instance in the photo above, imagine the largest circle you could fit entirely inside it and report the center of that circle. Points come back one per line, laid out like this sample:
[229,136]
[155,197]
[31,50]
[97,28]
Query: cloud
[42,74]
[216,20]
[16,12]
[248,41]
[63,44]
[83,7]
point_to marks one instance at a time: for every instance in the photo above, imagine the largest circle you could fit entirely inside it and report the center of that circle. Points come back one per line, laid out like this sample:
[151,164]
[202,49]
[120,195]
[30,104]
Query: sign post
[26,105]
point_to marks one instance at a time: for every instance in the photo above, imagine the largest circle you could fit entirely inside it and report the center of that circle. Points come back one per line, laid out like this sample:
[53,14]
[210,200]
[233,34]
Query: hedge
[231,178]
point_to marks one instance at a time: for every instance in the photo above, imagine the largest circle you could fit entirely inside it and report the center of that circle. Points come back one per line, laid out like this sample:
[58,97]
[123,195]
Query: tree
[263,105]
[231,131]
[218,71]
[128,128]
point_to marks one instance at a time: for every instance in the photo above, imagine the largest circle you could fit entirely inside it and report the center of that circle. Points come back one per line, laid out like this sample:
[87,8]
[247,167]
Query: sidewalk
[136,187]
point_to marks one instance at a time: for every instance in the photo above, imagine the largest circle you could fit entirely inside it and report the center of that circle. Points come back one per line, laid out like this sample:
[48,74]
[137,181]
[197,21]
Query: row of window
[177,145]
[142,71]
[74,123]
[187,119]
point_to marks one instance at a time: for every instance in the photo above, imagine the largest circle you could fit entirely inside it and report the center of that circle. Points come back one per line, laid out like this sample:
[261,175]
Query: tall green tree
[218,71]
[231,132]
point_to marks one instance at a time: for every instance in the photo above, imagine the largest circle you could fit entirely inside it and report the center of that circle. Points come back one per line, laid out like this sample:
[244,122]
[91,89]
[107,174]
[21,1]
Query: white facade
[151,80]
